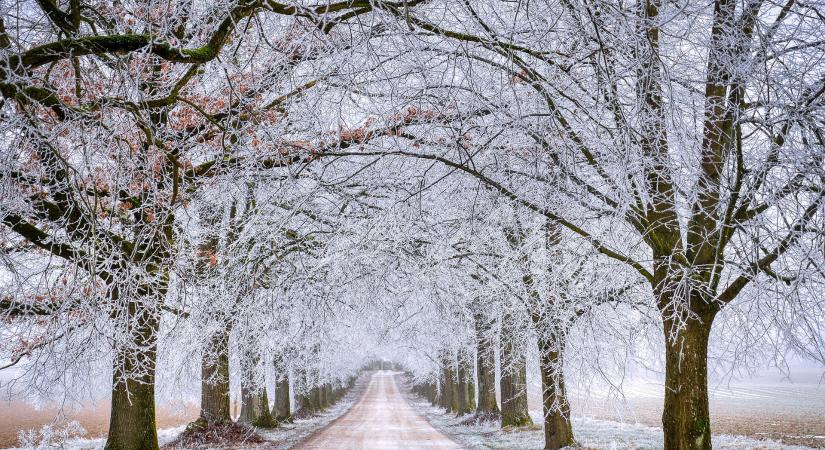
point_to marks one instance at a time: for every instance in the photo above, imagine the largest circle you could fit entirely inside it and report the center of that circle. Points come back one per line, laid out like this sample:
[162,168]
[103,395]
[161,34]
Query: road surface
[382,419]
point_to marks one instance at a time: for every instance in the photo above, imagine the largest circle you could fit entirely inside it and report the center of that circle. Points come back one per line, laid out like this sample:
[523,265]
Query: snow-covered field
[589,432]
[766,406]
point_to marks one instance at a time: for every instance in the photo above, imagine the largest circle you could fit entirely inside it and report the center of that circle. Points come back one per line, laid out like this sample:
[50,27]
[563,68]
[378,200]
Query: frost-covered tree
[693,127]
[114,116]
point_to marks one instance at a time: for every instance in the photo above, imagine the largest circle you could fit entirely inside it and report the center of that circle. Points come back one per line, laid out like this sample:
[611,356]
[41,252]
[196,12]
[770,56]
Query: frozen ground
[288,436]
[284,437]
[589,432]
[766,406]
[44,439]
[761,410]
[381,420]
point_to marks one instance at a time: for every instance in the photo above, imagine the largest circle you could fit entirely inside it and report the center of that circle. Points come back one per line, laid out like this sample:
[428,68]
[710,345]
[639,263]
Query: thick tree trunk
[465,384]
[255,408]
[281,410]
[463,406]
[328,398]
[486,367]
[513,381]
[215,380]
[427,390]
[254,401]
[451,390]
[455,396]
[686,418]
[441,392]
[321,393]
[132,421]
[433,393]
[306,400]
[471,392]
[558,432]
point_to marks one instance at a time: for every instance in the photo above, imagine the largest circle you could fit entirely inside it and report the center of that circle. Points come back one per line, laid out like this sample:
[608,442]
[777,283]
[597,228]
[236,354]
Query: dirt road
[382,419]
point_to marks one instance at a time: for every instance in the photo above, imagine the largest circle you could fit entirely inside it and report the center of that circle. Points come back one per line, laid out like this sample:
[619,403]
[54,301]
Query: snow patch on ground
[283,437]
[589,432]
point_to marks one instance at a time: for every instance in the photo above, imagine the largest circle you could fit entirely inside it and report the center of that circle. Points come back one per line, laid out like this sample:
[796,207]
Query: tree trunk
[686,418]
[455,396]
[132,421]
[471,392]
[433,393]
[215,380]
[451,391]
[254,401]
[558,432]
[281,410]
[441,394]
[308,400]
[465,384]
[486,367]
[513,381]
[428,391]
[463,406]
[255,408]
[321,392]
[314,397]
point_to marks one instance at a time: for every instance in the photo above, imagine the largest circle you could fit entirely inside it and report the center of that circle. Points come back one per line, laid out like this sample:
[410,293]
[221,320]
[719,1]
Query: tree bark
[486,366]
[132,422]
[308,399]
[255,408]
[428,391]
[433,393]
[686,417]
[455,396]
[306,402]
[558,431]
[215,380]
[321,393]
[328,399]
[466,401]
[254,401]
[513,381]
[450,392]
[281,410]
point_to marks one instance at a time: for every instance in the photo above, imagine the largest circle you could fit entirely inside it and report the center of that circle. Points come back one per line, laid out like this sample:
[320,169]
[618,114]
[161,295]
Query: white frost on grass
[590,433]
[41,440]
[284,437]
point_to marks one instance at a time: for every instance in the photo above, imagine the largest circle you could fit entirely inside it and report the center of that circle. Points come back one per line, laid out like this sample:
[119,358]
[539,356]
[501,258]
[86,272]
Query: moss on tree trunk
[255,408]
